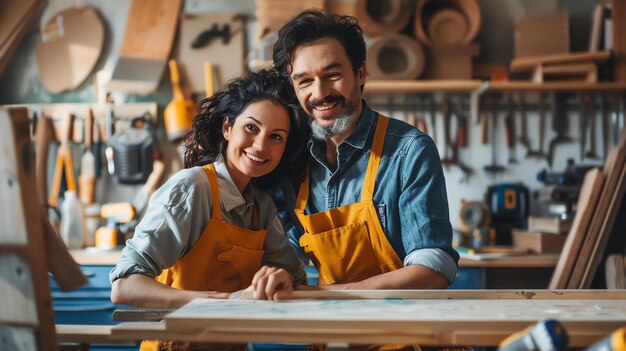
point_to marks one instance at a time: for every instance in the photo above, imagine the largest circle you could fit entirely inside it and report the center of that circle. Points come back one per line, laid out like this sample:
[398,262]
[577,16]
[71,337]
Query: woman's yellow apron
[347,244]
[225,258]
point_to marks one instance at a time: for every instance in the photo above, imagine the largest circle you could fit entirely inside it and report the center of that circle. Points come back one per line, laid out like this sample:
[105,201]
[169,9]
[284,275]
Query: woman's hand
[271,283]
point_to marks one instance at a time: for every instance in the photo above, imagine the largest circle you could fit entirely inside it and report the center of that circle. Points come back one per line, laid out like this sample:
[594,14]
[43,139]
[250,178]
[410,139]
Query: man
[372,210]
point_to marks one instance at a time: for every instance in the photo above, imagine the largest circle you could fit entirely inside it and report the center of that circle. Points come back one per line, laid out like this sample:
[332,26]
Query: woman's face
[256,141]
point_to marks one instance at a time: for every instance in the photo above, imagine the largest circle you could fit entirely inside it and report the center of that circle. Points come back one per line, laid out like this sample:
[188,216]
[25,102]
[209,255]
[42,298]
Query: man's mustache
[327,100]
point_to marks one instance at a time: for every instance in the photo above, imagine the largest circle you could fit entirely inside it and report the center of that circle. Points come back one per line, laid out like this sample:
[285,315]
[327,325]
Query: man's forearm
[410,277]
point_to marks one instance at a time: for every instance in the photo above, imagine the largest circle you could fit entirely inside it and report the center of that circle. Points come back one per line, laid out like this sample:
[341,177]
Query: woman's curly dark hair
[205,142]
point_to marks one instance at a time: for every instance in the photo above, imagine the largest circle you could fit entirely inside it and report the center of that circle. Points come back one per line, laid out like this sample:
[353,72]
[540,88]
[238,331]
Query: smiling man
[372,211]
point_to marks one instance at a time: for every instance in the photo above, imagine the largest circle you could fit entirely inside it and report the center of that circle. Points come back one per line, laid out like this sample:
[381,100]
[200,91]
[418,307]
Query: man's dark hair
[311,25]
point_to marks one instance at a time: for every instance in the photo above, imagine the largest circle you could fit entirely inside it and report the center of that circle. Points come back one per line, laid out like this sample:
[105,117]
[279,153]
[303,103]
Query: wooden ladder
[29,247]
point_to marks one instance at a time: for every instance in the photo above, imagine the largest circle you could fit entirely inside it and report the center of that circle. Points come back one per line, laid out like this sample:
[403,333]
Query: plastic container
[72,220]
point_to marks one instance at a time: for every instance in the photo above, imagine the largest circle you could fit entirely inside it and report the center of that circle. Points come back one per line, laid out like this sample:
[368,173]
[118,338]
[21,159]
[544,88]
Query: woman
[208,229]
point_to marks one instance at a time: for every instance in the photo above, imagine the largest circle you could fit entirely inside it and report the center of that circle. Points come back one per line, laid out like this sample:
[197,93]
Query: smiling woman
[209,230]
[256,141]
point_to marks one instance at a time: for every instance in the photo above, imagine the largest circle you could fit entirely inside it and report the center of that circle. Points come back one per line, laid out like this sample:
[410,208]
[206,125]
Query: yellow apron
[347,244]
[225,258]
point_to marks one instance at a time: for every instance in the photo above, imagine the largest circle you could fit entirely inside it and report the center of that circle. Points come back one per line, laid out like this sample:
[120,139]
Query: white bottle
[72,221]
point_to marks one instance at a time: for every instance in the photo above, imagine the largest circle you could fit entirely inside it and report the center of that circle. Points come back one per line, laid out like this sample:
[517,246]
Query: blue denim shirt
[410,193]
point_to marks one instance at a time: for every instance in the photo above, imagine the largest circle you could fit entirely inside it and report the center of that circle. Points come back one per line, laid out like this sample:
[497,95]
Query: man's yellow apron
[347,244]
[225,258]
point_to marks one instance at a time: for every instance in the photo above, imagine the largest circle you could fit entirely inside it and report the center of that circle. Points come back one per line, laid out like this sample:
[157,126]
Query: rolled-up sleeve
[425,219]
[168,229]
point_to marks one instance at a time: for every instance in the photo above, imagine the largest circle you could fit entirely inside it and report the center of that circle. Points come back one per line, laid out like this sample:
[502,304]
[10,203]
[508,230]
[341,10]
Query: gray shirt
[180,210]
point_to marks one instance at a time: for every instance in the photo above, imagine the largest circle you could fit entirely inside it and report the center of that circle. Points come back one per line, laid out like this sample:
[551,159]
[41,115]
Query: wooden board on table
[432,322]
[148,39]
[586,205]
[612,171]
[227,59]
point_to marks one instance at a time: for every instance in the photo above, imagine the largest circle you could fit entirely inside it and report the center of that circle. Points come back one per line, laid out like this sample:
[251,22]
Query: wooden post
[619,40]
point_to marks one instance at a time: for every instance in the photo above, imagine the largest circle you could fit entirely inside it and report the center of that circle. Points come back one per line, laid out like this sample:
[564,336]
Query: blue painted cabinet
[91,304]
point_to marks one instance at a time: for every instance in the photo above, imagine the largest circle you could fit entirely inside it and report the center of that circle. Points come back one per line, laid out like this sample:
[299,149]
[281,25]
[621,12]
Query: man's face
[327,87]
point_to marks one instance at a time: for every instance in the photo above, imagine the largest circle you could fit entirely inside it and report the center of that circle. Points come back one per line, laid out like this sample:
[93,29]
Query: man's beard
[342,123]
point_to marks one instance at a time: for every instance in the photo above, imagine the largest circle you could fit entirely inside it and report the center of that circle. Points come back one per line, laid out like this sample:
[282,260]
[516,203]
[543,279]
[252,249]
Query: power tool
[508,204]
[616,341]
[545,335]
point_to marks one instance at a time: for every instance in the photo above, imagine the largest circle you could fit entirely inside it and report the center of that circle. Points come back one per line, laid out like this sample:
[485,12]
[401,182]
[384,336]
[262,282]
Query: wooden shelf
[420,86]
[558,86]
[429,86]
[527,261]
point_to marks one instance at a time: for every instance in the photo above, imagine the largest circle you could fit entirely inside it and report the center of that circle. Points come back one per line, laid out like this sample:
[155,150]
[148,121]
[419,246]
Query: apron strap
[303,193]
[209,170]
[374,161]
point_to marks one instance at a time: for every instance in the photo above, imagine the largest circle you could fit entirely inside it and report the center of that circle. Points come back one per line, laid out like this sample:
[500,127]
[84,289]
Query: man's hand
[271,283]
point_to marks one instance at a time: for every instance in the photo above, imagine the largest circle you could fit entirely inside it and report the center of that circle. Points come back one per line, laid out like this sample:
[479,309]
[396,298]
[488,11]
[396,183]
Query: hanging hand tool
[44,136]
[509,130]
[523,139]
[605,125]
[591,153]
[583,121]
[433,117]
[446,132]
[63,162]
[460,139]
[87,177]
[539,153]
[494,167]
[178,114]
[560,125]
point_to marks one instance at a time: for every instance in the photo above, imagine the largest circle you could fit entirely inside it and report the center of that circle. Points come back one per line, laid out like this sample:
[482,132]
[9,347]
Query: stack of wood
[542,48]
[544,235]
[598,204]
[579,66]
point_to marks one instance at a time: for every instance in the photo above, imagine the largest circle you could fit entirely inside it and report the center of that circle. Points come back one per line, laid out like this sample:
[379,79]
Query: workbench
[424,317]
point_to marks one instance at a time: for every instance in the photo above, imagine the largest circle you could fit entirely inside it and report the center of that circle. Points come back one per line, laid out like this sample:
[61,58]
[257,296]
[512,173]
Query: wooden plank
[101,334]
[529,63]
[587,200]
[452,294]
[612,171]
[556,86]
[16,289]
[605,230]
[150,29]
[8,47]
[148,39]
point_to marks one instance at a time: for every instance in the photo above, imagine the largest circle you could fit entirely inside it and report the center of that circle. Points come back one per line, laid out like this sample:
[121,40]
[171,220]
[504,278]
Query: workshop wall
[20,83]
